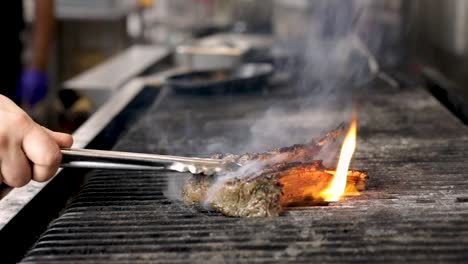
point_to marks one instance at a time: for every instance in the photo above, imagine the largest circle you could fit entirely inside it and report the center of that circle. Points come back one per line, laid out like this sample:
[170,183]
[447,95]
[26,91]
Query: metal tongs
[104,159]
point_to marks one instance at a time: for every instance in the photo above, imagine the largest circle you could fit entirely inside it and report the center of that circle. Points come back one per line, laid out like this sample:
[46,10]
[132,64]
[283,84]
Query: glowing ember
[337,187]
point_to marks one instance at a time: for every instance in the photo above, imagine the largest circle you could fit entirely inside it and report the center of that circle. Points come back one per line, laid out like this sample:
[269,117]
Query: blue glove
[32,86]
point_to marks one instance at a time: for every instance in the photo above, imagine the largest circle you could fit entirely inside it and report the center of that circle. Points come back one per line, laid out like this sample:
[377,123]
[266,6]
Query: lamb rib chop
[269,182]
[294,153]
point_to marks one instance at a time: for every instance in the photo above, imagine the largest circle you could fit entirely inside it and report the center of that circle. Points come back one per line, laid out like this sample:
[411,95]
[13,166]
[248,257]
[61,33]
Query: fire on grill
[269,182]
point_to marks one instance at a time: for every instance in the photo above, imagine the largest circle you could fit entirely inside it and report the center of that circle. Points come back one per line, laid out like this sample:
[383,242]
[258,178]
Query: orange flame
[337,187]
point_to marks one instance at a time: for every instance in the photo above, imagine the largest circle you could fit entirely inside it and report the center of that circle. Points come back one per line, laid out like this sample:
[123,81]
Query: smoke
[332,64]
[335,58]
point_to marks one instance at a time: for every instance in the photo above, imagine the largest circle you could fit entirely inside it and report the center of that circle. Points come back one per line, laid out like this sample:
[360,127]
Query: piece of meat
[294,153]
[269,182]
[257,197]
[303,184]
[270,191]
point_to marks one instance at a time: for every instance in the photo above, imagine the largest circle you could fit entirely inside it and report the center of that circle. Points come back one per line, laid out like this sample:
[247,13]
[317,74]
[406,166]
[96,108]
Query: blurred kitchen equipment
[208,58]
[100,82]
[247,77]
[223,51]
[255,47]
[449,32]
[242,41]
[438,36]
[171,22]
[252,16]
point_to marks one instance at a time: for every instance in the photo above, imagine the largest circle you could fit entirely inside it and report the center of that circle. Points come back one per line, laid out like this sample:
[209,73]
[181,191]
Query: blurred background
[99,45]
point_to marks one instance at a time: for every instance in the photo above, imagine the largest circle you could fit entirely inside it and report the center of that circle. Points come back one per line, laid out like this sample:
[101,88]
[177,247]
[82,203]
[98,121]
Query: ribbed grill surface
[415,208]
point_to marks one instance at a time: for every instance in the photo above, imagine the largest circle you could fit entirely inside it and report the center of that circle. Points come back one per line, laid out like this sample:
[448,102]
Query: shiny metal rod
[105,159]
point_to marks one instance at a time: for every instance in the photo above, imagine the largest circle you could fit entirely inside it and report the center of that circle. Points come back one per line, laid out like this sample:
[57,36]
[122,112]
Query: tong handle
[93,159]
[106,159]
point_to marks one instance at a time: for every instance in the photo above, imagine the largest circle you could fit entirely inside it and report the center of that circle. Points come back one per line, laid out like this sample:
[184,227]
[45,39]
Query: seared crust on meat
[269,192]
[269,182]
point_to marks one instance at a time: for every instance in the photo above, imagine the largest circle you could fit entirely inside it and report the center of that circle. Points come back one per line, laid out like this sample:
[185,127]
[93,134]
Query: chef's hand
[32,87]
[27,150]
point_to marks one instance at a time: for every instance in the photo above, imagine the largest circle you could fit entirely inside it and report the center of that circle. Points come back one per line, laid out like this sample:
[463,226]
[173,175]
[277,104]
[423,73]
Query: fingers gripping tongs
[104,159]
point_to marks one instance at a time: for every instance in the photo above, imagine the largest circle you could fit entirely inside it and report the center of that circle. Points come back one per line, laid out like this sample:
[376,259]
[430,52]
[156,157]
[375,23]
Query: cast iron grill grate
[415,208]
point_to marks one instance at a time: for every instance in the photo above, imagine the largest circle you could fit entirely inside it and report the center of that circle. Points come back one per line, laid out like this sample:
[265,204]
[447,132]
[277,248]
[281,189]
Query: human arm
[33,82]
[42,33]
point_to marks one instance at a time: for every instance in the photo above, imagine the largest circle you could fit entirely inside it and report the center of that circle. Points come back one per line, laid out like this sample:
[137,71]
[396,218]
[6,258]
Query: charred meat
[269,192]
[294,153]
[269,182]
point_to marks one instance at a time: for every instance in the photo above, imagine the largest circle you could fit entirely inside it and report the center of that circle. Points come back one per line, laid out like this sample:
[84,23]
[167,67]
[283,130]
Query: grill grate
[415,208]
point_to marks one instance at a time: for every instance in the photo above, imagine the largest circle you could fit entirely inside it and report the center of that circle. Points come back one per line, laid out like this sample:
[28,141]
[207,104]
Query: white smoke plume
[333,63]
